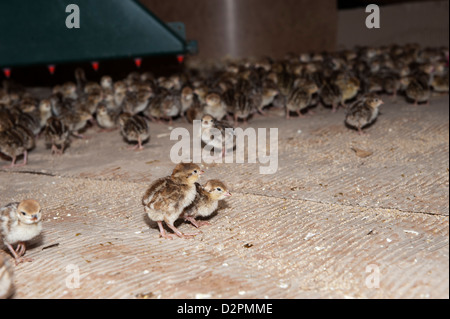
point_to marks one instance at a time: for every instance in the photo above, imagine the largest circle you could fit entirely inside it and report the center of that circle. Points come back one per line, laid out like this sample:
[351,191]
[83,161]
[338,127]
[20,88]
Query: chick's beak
[201,172]
[228,194]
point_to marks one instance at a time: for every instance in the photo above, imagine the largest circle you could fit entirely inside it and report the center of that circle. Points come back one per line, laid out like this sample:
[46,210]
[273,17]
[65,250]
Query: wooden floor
[344,216]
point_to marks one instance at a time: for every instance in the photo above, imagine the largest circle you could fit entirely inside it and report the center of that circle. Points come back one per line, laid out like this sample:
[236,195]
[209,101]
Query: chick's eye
[219,189]
[23,213]
[195,171]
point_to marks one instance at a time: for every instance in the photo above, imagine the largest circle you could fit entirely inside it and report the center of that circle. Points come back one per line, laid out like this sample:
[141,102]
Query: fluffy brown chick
[331,95]
[20,222]
[56,135]
[363,112]
[76,121]
[206,201]
[419,87]
[215,106]
[349,86]
[167,197]
[300,98]
[134,128]
[106,118]
[15,141]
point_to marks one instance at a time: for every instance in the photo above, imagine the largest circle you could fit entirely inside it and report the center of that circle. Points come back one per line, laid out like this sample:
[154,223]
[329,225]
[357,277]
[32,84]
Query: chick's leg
[261,112]
[54,149]
[394,95]
[196,223]
[134,147]
[140,147]
[162,232]
[334,107]
[360,131]
[299,113]
[25,158]
[20,249]
[17,257]
[179,233]
[13,163]
[80,136]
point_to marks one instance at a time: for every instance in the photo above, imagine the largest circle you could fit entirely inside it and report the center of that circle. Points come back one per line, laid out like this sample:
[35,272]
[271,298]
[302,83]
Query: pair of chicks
[336,92]
[61,116]
[179,195]
[19,223]
[133,127]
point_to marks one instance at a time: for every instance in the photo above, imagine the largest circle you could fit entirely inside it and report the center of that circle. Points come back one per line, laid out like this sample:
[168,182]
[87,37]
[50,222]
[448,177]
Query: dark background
[246,28]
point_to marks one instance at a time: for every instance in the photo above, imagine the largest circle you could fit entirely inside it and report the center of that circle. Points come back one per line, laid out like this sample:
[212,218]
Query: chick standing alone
[106,118]
[363,113]
[134,128]
[225,142]
[206,201]
[57,135]
[76,121]
[300,98]
[166,198]
[15,141]
[215,106]
[331,95]
[20,222]
[419,88]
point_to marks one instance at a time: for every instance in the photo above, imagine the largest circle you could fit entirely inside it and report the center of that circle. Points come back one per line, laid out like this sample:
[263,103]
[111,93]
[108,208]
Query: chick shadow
[7,160]
[48,146]
[131,145]
[150,223]
[31,245]
[36,242]
[154,225]
[363,128]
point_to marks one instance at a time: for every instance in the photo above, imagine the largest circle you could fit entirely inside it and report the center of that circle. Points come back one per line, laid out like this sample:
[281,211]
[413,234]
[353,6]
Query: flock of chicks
[235,90]
[166,200]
